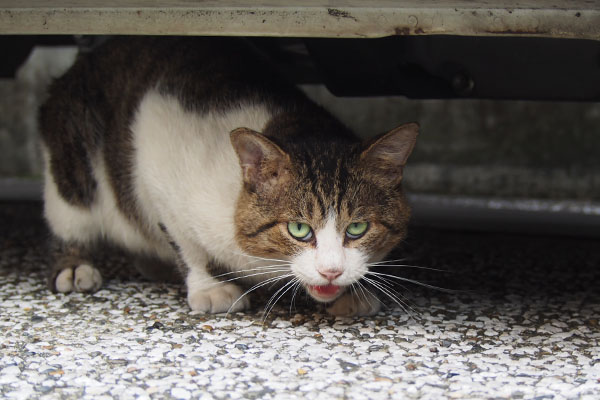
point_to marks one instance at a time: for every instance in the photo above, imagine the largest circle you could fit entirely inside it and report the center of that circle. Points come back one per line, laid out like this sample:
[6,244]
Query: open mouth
[324,292]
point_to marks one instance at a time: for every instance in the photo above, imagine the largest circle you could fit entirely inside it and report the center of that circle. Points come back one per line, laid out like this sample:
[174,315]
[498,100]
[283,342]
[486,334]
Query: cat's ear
[264,164]
[386,155]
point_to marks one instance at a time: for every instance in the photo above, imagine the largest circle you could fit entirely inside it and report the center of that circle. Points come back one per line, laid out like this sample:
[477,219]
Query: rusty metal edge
[309,21]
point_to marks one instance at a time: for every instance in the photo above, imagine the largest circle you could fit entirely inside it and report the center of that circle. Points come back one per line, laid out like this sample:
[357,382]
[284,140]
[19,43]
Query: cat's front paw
[83,278]
[353,305]
[222,298]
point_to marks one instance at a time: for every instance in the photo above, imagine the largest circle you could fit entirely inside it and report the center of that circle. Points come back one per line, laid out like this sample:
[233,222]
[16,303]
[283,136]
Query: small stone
[44,389]
[347,366]
[12,370]
[180,393]
[207,328]
[411,367]
[158,325]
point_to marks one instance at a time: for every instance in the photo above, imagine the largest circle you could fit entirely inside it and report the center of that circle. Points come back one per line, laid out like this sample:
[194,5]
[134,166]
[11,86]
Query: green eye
[300,231]
[356,229]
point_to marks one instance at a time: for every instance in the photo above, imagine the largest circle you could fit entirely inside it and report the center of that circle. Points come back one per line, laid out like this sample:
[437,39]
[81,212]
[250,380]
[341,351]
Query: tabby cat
[195,152]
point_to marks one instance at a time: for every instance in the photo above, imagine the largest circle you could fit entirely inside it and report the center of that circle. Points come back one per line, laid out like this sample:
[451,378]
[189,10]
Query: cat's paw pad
[84,278]
[222,298]
[353,305]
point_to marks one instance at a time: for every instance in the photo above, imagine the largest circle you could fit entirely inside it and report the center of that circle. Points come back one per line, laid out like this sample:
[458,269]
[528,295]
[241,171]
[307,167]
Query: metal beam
[304,18]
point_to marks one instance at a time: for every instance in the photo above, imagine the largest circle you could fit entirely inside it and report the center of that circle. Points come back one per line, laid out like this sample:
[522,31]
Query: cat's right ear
[386,156]
[264,164]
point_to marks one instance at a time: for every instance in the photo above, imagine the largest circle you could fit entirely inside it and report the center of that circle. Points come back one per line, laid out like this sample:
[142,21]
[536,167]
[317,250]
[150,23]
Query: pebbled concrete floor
[522,322]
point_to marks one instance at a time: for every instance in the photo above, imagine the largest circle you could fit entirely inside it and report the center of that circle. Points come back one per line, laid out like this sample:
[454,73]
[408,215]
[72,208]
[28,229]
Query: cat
[196,152]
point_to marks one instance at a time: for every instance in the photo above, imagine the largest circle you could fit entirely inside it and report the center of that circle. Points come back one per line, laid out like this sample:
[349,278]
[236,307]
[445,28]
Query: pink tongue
[327,289]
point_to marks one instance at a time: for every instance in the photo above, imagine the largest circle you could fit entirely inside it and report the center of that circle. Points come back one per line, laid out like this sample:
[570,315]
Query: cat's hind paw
[83,278]
[353,305]
[222,298]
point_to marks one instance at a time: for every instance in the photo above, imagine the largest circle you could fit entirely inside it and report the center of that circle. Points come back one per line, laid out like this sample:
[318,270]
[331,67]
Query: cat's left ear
[386,156]
[264,164]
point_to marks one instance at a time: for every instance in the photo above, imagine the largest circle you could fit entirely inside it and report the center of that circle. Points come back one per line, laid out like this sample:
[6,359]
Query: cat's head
[330,207]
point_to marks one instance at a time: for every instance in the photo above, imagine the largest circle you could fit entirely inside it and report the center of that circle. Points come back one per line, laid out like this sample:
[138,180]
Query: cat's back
[90,109]
[205,74]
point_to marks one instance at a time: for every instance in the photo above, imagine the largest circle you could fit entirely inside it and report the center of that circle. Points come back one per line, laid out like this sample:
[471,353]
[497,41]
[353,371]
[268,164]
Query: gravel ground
[522,321]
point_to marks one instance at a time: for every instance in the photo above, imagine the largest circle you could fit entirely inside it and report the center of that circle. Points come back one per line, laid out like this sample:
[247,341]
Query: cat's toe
[64,281]
[87,279]
[219,299]
[352,305]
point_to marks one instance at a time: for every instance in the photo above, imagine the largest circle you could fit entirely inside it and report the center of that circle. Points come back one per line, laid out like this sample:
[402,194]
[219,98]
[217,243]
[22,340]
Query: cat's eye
[356,229]
[300,231]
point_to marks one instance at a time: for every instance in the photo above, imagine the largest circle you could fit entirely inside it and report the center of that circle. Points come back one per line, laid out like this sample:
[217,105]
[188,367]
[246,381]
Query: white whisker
[257,258]
[275,271]
[363,288]
[411,281]
[298,286]
[241,271]
[266,269]
[259,285]
[271,303]
[406,266]
[388,261]
[405,307]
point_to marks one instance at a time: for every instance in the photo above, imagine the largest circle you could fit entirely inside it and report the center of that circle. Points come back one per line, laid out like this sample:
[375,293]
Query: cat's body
[152,144]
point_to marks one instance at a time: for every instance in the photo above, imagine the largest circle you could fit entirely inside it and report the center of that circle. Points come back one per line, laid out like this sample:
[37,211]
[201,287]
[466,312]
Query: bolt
[462,84]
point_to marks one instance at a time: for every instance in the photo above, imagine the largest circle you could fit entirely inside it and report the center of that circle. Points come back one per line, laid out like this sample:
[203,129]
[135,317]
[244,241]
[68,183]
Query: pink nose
[330,274]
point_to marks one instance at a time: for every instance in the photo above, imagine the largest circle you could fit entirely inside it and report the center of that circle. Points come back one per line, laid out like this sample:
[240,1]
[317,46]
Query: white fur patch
[188,175]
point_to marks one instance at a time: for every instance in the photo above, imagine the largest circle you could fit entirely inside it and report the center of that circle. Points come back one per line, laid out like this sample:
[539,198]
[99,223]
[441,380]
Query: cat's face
[330,210]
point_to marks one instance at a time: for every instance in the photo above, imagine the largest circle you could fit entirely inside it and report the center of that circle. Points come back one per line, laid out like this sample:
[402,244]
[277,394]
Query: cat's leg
[206,293]
[72,269]
[355,303]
